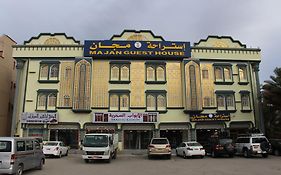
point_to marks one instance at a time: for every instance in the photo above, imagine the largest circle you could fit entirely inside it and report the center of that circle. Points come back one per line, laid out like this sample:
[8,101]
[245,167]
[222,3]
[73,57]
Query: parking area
[138,164]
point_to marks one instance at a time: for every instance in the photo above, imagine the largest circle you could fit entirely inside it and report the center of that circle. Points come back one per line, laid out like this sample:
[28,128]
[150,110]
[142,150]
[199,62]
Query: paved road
[128,164]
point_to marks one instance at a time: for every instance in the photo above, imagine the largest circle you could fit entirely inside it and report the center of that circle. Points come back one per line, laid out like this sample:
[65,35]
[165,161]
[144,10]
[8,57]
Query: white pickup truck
[100,146]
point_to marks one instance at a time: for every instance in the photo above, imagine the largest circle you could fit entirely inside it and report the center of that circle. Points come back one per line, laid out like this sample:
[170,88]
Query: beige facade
[182,98]
[7,81]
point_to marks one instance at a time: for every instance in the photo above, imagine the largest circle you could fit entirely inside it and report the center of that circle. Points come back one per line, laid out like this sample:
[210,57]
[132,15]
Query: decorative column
[19,67]
[260,121]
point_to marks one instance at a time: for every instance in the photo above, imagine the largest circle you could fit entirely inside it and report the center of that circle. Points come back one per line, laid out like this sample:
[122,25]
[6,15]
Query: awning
[174,126]
[210,125]
[138,126]
[65,126]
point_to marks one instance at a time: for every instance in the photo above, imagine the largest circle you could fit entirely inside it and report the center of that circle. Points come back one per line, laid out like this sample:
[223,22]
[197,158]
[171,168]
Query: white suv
[252,145]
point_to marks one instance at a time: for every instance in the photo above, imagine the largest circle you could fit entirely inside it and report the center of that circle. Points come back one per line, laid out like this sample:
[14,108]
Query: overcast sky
[256,23]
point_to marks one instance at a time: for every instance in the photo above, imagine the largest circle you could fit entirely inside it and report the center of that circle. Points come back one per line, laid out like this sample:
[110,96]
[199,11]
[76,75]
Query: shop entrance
[68,136]
[136,139]
[174,136]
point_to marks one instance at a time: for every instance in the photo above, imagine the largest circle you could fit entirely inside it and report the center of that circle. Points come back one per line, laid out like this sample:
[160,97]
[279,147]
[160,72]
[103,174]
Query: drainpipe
[260,112]
[19,66]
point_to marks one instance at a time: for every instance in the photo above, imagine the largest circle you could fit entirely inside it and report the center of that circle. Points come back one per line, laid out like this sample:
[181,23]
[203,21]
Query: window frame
[120,65]
[245,67]
[223,67]
[156,94]
[49,78]
[225,95]
[47,93]
[119,94]
[155,66]
[244,108]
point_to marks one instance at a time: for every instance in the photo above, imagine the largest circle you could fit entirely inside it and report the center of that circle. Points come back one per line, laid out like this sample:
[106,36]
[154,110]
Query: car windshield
[194,144]
[259,140]
[225,141]
[159,141]
[51,144]
[96,141]
[5,146]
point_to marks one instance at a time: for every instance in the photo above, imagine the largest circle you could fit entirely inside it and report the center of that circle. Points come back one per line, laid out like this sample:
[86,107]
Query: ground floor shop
[136,136]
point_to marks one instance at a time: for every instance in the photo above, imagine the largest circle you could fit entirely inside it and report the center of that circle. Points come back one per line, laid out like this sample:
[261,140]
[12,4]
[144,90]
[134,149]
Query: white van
[18,154]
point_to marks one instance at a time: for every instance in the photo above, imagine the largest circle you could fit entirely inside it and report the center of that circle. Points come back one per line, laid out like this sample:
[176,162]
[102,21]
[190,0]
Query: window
[225,101]
[29,145]
[223,74]
[20,146]
[119,101]
[205,74]
[242,71]
[155,73]
[49,72]
[156,101]
[119,72]
[46,99]
[245,101]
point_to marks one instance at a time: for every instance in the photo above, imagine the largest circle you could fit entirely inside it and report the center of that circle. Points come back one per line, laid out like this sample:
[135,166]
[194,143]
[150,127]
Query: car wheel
[265,155]
[276,152]
[184,155]
[19,170]
[60,155]
[177,154]
[246,153]
[214,154]
[40,167]
[202,157]
[231,155]
[86,160]
[66,154]
[149,156]
[168,156]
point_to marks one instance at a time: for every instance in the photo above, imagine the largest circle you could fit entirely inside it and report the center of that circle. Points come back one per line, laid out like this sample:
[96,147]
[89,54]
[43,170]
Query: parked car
[55,148]
[159,147]
[18,154]
[189,149]
[218,147]
[253,144]
[276,146]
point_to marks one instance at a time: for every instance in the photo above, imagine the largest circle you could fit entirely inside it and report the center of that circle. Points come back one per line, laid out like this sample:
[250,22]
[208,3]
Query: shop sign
[210,117]
[39,118]
[161,49]
[125,117]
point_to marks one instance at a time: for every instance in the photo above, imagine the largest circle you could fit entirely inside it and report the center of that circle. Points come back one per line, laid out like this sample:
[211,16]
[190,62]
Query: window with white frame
[225,101]
[155,73]
[119,101]
[242,72]
[49,71]
[156,101]
[223,73]
[245,100]
[119,72]
[46,100]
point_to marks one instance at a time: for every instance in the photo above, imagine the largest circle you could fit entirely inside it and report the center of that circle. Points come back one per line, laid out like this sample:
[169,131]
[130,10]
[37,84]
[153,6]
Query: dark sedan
[218,147]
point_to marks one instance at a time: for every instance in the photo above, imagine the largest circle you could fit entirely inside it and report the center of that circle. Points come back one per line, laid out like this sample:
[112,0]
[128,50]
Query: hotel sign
[125,117]
[39,118]
[161,49]
[210,117]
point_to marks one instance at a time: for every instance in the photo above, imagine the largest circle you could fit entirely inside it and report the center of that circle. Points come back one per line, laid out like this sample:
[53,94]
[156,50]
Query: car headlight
[106,152]
[84,152]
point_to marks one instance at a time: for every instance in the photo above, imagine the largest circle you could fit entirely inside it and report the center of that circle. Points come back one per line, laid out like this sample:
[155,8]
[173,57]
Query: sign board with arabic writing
[39,118]
[125,117]
[161,49]
[209,117]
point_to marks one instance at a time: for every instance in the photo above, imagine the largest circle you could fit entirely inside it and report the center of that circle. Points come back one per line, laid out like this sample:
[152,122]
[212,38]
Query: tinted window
[194,144]
[29,145]
[258,140]
[51,144]
[5,146]
[20,146]
[159,141]
[225,141]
